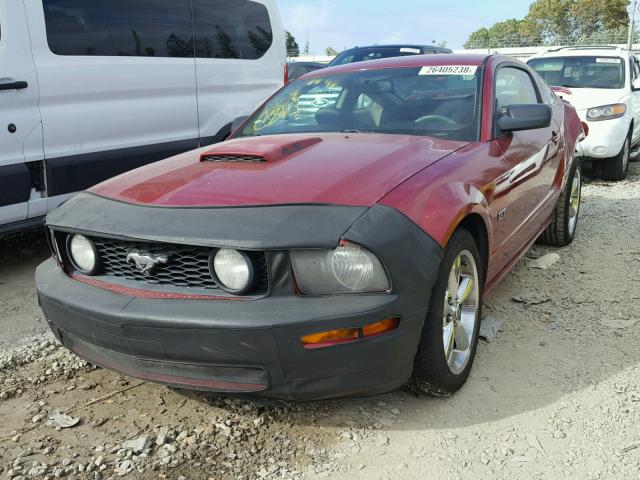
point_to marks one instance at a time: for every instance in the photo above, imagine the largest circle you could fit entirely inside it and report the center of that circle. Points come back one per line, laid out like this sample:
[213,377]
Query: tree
[510,33]
[592,16]
[331,52]
[552,19]
[557,22]
[481,38]
[293,49]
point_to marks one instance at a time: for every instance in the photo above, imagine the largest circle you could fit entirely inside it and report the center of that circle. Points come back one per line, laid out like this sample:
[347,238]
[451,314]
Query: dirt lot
[557,395]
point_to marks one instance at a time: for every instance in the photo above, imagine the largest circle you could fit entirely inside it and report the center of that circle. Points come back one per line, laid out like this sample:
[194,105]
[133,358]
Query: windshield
[431,101]
[581,72]
[373,53]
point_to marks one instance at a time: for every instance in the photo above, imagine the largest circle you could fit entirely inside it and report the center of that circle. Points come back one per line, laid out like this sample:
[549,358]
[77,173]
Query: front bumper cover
[606,138]
[253,346]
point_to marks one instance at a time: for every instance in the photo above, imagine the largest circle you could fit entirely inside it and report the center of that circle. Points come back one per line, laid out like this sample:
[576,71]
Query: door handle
[14,86]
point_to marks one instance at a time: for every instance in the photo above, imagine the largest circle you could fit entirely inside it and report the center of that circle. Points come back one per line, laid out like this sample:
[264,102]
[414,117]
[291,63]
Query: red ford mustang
[338,244]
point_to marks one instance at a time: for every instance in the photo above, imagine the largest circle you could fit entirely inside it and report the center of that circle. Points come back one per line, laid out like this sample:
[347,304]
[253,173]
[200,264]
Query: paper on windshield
[449,70]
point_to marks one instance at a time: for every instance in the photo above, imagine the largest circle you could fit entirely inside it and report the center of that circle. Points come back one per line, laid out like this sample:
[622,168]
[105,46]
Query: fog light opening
[342,336]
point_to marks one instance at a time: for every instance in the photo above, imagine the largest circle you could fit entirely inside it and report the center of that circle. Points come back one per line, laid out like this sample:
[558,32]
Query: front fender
[438,203]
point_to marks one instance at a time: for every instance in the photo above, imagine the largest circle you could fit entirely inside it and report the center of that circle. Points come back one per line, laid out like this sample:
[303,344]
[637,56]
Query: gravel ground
[556,395]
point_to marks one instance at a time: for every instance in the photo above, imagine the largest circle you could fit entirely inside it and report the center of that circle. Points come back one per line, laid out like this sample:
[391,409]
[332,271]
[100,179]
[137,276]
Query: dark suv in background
[361,54]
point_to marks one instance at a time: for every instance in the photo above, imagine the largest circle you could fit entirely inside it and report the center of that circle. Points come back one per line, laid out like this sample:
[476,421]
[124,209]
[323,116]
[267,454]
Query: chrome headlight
[232,270]
[83,254]
[347,269]
[606,112]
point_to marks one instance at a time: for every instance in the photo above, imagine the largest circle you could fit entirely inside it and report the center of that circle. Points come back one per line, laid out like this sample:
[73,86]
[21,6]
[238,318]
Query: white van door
[117,85]
[240,60]
[20,127]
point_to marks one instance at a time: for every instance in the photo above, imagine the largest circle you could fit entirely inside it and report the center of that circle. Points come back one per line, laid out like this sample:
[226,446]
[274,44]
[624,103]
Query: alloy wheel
[574,201]
[460,314]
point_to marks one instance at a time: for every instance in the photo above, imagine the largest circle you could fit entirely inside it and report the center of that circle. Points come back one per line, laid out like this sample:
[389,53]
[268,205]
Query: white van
[603,84]
[91,89]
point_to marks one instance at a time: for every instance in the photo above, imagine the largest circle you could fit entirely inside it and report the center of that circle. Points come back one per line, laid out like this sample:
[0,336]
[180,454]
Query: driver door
[531,158]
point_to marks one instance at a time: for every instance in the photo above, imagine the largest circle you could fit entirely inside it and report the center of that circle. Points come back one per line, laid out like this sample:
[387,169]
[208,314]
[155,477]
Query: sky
[347,23]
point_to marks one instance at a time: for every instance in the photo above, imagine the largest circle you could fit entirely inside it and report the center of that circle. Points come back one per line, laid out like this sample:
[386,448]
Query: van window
[237,29]
[144,28]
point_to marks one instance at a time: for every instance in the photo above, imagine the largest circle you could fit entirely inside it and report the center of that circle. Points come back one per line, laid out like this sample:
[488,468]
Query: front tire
[450,334]
[616,168]
[564,225]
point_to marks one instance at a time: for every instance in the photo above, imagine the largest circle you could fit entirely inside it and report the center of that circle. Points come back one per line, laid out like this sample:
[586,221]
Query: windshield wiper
[355,131]
[569,85]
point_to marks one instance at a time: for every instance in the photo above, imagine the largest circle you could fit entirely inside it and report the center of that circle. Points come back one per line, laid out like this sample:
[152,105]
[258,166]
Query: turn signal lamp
[348,335]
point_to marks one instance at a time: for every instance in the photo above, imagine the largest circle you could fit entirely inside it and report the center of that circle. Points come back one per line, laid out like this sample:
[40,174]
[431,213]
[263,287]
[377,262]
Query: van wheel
[616,168]
[450,334]
[562,229]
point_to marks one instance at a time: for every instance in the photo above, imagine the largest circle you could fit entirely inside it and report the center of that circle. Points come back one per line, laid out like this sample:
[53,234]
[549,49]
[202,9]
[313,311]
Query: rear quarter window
[239,29]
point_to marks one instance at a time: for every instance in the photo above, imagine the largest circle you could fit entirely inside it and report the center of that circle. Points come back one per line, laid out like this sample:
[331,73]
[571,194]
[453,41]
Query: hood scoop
[257,150]
[231,158]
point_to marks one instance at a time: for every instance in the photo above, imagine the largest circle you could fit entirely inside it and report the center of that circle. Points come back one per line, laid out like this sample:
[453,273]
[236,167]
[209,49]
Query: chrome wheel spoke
[454,282]
[449,341]
[462,338]
[464,289]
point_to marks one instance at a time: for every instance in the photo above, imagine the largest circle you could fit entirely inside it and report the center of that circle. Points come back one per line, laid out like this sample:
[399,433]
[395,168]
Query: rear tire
[564,225]
[616,168]
[440,370]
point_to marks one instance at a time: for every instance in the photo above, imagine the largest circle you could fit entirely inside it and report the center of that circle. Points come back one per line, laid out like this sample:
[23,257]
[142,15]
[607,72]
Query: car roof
[398,45]
[405,62]
[307,64]
[585,51]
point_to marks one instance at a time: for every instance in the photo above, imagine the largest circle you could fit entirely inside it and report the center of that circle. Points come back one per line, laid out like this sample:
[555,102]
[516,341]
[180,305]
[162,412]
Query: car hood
[585,98]
[344,169]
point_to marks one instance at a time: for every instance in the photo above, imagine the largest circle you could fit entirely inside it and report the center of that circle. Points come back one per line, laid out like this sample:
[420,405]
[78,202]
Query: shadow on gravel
[23,247]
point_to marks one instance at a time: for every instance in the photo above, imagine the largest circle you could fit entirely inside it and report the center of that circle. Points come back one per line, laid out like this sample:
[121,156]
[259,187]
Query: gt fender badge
[501,214]
[145,263]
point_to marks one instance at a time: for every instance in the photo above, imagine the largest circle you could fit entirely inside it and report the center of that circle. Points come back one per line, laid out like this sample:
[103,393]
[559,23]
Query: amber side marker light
[348,335]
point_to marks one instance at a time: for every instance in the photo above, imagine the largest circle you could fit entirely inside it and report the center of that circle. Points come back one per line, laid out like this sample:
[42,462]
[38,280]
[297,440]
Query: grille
[232,158]
[187,266]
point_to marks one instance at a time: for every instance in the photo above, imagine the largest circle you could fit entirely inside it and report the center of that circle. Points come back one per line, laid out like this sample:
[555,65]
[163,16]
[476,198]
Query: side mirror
[524,117]
[237,122]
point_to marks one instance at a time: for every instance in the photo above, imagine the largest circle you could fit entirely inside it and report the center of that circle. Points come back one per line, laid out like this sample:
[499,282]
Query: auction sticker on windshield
[449,70]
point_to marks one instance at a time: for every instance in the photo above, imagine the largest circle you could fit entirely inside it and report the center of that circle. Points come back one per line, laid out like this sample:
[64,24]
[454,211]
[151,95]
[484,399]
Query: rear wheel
[616,168]
[562,229]
[450,334]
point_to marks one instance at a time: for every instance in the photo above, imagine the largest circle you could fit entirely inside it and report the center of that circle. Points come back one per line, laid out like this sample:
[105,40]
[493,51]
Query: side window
[514,86]
[546,92]
[239,29]
[635,70]
[144,28]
